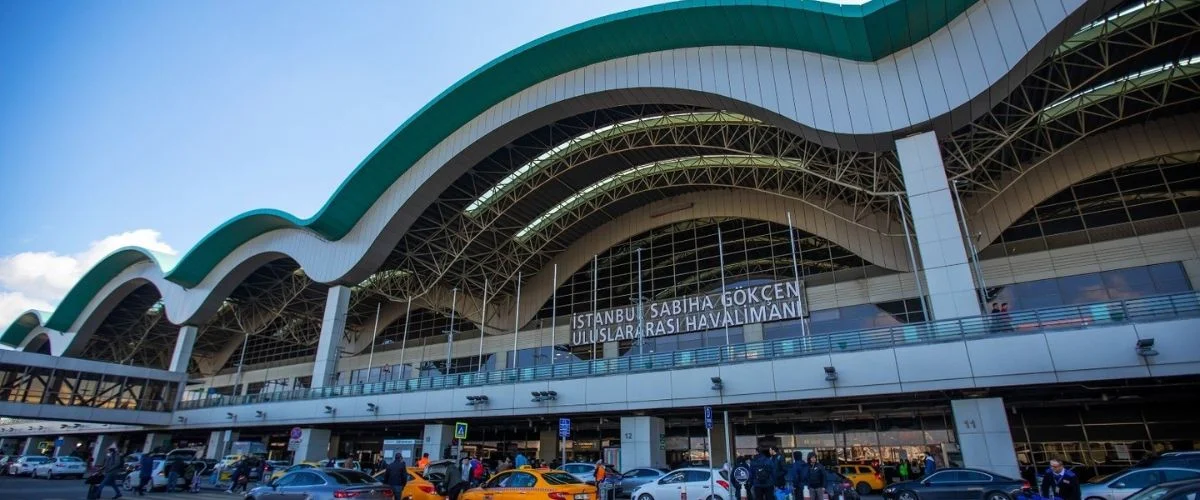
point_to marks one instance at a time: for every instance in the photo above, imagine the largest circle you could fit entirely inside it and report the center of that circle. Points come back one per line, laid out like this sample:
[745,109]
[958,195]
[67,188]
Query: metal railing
[1147,309]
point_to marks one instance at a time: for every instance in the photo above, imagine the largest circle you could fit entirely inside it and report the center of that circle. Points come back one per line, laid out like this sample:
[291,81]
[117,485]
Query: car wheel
[996,495]
[713,497]
[862,488]
[907,495]
[645,496]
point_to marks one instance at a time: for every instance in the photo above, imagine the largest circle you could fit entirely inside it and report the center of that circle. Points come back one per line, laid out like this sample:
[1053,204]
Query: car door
[668,487]
[941,485]
[974,483]
[697,484]
[1130,483]
[515,487]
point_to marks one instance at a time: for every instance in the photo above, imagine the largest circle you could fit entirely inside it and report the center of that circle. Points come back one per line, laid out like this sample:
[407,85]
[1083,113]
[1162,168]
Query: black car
[1185,459]
[957,484]
[1188,489]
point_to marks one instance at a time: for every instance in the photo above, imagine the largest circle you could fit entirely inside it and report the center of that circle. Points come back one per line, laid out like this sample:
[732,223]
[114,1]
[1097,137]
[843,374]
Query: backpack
[477,471]
[761,473]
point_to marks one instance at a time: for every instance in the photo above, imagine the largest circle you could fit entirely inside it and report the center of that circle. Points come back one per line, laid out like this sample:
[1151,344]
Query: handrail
[1074,317]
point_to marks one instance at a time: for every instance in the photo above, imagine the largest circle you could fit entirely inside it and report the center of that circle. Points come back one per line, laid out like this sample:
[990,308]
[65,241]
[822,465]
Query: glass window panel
[1128,283]
[1082,289]
[1101,218]
[1169,278]
[1035,294]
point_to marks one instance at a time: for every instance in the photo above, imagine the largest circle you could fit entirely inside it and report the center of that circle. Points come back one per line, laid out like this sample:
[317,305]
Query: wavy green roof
[863,33]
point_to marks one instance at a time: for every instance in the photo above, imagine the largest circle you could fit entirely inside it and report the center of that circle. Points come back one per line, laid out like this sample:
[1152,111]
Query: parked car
[417,488]
[1121,485]
[278,472]
[865,478]
[695,482]
[1183,459]
[24,465]
[322,484]
[965,484]
[159,474]
[586,472]
[61,466]
[1172,490]
[632,479]
[531,484]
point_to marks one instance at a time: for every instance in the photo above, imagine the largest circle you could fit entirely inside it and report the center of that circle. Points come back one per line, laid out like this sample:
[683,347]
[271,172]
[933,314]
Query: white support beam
[333,326]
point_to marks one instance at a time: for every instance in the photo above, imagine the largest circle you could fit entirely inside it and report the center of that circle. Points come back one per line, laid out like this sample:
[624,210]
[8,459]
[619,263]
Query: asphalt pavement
[23,488]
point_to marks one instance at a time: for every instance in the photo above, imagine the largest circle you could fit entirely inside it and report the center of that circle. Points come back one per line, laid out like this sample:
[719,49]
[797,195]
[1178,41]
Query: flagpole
[641,328]
[595,284]
[450,331]
[374,334]
[721,253]
[516,321]
[553,315]
[483,324]
[796,274]
[404,339]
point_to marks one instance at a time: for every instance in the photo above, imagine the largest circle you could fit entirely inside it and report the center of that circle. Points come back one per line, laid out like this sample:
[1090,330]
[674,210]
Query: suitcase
[93,492]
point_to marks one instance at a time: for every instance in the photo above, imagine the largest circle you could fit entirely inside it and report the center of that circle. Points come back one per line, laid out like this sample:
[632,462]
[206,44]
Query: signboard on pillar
[460,430]
[708,419]
[564,427]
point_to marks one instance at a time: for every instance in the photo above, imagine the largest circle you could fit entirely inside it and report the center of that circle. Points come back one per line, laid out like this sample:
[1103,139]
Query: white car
[158,476]
[61,466]
[700,483]
[24,465]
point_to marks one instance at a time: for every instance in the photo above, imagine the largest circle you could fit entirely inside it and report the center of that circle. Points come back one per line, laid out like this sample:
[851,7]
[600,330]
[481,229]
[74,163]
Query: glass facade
[1118,284]
[857,317]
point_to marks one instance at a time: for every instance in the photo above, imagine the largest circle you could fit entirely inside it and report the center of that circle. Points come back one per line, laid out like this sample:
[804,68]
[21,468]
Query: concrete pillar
[333,326]
[183,348]
[154,440]
[219,443]
[335,446]
[548,445]
[948,279]
[69,445]
[984,437]
[753,332]
[101,445]
[716,449]
[612,350]
[29,447]
[643,442]
[437,439]
[314,445]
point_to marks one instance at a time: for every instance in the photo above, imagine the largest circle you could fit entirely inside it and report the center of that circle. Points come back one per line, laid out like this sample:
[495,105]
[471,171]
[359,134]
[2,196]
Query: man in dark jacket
[453,484]
[764,474]
[814,477]
[1058,482]
[145,472]
[175,470]
[396,476]
[111,467]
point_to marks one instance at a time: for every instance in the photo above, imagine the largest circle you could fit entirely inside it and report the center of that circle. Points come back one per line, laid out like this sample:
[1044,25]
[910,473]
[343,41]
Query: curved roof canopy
[864,32]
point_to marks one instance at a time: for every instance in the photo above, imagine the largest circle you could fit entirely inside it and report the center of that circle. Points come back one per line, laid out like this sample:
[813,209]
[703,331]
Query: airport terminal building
[969,228]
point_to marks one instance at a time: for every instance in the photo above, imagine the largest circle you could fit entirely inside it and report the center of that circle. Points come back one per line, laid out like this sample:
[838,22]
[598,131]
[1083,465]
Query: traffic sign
[741,474]
[708,420]
[460,430]
[59,442]
[297,433]
[564,427]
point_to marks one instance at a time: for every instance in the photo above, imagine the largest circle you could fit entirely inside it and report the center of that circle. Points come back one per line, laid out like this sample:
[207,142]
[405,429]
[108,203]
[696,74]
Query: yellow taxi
[302,465]
[864,478]
[417,488]
[531,484]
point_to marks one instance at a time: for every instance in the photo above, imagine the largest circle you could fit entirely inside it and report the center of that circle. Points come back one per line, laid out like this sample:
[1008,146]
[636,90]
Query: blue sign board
[460,430]
[708,421]
[564,427]
[59,442]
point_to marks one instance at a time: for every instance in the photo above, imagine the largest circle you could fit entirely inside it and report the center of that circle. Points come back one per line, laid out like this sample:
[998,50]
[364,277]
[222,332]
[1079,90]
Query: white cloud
[38,280]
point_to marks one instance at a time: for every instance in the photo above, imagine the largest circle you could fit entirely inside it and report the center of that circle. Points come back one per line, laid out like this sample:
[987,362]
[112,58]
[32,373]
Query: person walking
[111,467]
[145,472]
[396,476]
[1058,482]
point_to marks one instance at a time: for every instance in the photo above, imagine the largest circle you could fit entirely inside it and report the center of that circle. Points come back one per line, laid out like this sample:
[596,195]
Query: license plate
[581,496]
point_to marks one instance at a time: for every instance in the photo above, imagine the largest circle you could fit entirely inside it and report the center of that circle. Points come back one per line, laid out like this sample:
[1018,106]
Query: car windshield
[37,460]
[69,459]
[576,468]
[1151,493]
[350,477]
[558,478]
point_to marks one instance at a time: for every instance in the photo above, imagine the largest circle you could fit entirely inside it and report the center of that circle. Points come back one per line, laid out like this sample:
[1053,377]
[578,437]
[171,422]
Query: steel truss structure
[1135,64]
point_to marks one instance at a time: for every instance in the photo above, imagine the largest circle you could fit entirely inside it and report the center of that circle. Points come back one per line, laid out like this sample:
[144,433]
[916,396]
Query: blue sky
[152,122]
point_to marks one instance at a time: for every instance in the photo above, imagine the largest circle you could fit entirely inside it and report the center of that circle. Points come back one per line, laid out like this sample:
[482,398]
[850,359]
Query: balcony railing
[1148,309]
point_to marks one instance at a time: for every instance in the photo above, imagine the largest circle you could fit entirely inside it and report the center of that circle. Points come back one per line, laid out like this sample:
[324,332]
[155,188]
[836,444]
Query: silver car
[322,484]
[24,465]
[634,478]
[1119,485]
